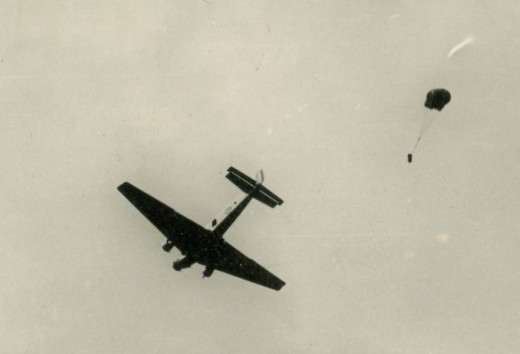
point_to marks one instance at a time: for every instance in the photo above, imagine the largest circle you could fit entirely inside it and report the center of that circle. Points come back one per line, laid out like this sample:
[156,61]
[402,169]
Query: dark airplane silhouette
[207,245]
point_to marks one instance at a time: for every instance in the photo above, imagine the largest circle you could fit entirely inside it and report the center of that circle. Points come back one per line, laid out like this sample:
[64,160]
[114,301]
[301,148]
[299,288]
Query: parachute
[435,99]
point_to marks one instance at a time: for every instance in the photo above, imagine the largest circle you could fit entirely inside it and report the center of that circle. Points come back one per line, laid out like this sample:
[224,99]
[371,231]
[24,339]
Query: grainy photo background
[379,256]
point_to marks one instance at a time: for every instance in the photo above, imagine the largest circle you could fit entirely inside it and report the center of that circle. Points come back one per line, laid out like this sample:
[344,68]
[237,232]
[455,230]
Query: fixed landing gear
[207,272]
[167,246]
[180,264]
[187,262]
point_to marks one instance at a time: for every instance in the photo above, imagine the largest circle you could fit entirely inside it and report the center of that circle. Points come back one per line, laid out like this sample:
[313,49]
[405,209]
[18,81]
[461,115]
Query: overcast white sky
[379,256]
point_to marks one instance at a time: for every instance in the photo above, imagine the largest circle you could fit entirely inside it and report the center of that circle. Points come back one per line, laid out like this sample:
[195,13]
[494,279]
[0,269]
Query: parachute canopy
[437,99]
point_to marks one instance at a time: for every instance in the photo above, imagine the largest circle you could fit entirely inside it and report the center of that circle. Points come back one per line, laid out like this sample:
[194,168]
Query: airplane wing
[235,263]
[185,234]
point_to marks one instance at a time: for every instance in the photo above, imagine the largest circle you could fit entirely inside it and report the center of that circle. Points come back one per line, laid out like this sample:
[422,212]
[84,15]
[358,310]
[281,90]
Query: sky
[378,255]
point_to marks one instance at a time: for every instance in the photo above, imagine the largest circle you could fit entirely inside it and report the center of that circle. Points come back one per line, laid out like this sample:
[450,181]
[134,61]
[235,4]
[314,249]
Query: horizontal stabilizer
[245,183]
[248,185]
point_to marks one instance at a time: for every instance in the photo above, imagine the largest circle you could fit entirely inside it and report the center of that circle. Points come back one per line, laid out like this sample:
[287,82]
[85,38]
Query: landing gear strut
[208,271]
[167,246]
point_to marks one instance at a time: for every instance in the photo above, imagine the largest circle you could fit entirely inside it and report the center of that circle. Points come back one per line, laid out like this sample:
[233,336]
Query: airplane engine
[167,246]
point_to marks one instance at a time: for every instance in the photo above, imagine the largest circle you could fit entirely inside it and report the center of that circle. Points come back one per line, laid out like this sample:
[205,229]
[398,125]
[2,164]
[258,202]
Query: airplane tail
[248,185]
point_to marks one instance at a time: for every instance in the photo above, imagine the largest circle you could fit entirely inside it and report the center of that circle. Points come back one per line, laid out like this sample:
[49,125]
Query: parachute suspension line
[417,143]
[426,125]
[423,131]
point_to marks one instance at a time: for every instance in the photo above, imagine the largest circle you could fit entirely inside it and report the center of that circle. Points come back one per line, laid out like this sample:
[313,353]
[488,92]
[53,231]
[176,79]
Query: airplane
[206,245]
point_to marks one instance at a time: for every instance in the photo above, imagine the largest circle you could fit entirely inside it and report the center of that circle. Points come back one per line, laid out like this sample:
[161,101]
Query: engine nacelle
[167,246]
